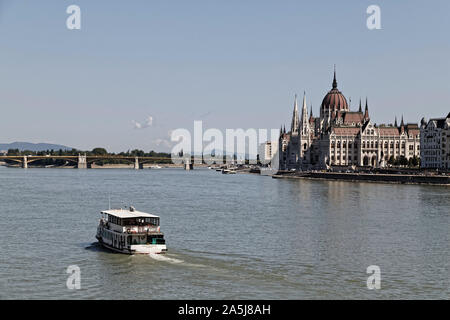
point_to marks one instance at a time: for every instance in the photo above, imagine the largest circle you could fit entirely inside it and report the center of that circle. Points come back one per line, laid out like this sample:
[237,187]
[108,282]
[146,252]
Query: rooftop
[127,213]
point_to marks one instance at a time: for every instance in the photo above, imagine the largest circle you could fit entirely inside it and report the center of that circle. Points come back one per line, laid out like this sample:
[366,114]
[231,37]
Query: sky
[137,70]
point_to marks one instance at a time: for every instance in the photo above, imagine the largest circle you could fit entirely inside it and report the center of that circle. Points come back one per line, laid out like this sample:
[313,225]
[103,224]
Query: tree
[99,151]
[415,161]
[403,161]
[391,160]
[137,153]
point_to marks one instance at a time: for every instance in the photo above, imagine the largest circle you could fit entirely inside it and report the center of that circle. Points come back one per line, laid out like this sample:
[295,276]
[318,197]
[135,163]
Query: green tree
[391,160]
[13,152]
[403,161]
[99,151]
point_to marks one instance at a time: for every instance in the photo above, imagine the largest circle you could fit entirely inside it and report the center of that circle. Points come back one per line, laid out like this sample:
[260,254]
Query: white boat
[130,231]
[155,167]
[228,171]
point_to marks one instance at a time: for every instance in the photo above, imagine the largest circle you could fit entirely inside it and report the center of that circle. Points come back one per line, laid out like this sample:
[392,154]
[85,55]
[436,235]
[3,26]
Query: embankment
[382,178]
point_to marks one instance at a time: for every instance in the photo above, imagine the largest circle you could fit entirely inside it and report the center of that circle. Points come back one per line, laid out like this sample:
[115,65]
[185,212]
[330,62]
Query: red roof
[345,131]
[389,131]
[334,100]
[353,117]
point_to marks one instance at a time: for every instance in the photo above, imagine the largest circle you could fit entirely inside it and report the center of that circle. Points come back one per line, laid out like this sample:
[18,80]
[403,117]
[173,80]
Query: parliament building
[341,137]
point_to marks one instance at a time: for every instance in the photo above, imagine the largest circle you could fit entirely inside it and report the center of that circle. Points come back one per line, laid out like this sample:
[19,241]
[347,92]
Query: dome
[334,100]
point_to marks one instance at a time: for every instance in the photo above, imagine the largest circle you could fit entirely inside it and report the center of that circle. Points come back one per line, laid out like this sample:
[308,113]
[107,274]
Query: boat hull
[136,249]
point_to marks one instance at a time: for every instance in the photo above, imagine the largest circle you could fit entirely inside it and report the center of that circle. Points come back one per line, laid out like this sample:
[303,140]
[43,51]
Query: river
[237,236]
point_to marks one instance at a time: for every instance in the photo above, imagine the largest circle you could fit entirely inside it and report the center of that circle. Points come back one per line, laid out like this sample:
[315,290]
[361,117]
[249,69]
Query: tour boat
[130,231]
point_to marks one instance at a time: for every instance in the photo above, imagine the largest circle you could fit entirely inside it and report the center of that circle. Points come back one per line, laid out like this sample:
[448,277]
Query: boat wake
[164,258]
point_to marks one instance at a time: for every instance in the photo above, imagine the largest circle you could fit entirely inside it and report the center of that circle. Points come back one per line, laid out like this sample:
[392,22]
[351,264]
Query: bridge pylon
[188,165]
[25,162]
[138,166]
[82,162]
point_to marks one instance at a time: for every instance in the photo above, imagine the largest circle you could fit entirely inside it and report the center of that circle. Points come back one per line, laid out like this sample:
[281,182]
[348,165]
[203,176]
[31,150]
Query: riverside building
[341,137]
[435,141]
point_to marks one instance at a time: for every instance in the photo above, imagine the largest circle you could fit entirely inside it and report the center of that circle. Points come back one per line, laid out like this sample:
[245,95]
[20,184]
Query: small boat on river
[130,231]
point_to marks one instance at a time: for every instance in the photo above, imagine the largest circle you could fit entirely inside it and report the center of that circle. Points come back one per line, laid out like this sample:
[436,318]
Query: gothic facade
[341,137]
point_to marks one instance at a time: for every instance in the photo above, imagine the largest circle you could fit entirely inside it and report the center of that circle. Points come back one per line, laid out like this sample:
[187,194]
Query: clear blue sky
[229,63]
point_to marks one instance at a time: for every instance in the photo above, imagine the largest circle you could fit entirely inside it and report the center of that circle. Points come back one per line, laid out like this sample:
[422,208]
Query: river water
[229,236]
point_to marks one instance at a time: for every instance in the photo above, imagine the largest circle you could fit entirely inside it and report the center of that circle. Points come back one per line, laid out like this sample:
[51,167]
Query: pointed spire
[304,107]
[304,100]
[295,118]
[311,112]
[284,130]
[360,105]
[366,111]
[402,123]
[334,78]
[304,122]
[402,126]
[395,123]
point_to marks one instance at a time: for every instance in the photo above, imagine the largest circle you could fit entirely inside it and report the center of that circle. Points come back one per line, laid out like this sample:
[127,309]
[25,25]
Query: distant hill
[33,146]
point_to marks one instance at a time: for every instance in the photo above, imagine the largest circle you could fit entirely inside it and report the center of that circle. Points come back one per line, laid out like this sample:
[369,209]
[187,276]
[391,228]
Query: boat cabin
[131,222]
[123,229]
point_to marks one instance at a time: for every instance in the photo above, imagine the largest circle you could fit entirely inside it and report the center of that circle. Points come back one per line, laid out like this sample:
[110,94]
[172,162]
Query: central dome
[334,100]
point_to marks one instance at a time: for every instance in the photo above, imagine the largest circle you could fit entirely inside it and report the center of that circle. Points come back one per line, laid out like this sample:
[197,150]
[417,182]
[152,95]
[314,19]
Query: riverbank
[370,177]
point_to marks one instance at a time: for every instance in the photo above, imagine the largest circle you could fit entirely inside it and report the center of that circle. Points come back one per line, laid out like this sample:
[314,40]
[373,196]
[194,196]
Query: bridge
[84,161]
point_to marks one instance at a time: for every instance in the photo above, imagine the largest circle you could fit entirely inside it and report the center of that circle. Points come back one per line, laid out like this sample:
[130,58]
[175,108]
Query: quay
[370,177]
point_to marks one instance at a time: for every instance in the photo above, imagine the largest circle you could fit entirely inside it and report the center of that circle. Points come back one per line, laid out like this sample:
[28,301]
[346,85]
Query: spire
[360,106]
[402,126]
[304,102]
[284,130]
[366,111]
[295,119]
[334,78]
[402,123]
[311,112]
[395,123]
[305,122]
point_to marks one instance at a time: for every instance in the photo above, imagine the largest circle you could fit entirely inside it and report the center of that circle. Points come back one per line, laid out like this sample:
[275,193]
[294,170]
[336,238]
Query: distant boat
[155,167]
[228,171]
